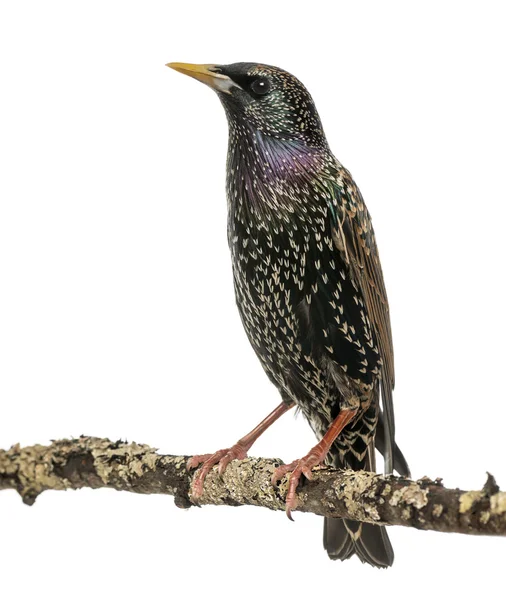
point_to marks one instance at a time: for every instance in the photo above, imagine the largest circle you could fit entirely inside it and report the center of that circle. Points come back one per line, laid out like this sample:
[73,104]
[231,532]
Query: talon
[296,469]
[238,451]
[222,465]
[194,461]
[197,489]
[281,471]
[308,473]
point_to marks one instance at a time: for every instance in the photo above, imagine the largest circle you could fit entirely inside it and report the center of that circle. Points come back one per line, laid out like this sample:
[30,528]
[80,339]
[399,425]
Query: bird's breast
[298,301]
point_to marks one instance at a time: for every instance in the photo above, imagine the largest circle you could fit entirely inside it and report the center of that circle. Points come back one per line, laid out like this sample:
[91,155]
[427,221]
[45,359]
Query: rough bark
[386,500]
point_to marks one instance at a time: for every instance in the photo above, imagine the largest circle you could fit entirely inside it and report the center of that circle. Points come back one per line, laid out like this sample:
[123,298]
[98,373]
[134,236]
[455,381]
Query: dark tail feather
[343,538]
[374,547]
[336,539]
[399,462]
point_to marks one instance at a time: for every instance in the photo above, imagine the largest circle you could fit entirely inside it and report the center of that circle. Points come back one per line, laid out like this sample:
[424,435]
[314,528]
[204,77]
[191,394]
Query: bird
[309,289]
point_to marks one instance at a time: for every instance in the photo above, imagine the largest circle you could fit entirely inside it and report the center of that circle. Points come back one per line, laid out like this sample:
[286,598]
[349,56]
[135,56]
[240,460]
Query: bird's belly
[269,313]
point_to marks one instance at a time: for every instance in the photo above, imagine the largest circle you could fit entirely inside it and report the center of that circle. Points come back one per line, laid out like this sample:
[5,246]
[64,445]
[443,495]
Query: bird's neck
[269,158]
[267,174]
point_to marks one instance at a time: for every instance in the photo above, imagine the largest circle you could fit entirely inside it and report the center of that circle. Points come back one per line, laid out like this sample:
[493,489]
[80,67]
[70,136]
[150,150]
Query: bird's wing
[353,237]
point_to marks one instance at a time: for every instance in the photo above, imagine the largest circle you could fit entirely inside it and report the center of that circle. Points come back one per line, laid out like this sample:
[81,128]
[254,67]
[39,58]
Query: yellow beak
[206,74]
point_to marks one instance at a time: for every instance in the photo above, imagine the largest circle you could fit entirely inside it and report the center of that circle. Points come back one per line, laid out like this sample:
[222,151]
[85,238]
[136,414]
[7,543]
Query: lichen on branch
[359,495]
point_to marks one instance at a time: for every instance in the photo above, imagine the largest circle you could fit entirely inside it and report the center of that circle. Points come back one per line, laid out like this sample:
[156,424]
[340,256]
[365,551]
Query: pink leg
[314,458]
[238,451]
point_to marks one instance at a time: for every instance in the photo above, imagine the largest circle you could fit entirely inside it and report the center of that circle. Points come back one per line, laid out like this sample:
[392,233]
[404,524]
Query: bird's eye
[260,86]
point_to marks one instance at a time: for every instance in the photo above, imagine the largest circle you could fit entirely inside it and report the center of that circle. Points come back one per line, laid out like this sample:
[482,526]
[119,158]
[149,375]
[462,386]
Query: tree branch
[386,500]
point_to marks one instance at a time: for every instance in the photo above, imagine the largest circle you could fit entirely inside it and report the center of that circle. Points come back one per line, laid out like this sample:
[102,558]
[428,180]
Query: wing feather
[354,239]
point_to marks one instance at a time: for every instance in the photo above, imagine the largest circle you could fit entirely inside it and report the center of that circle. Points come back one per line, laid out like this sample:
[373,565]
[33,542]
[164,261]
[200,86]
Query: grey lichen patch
[484,517]
[386,490]
[412,495]
[361,485]
[437,511]
[32,468]
[243,482]
[372,513]
[123,460]
[179,462]
[467,499]
[237,480]
[498,503]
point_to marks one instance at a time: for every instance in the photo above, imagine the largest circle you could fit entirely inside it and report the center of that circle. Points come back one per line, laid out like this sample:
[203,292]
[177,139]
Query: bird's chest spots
[280,259]
[268,277]
[278,268]
[273,273]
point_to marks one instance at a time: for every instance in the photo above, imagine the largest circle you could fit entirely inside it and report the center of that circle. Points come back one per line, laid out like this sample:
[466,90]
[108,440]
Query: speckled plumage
[290,203]
[307,276]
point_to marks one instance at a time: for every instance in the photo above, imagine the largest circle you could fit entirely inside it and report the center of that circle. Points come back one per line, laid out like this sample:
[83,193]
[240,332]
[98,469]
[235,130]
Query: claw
[222,465]
[308,473]
[296,469]
[315,457]
[281,471]
[194,461]
[238,451]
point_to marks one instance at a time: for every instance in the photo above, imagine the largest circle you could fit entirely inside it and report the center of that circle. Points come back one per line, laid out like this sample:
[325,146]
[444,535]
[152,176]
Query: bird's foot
[316,456]
[221,458]
[297,468]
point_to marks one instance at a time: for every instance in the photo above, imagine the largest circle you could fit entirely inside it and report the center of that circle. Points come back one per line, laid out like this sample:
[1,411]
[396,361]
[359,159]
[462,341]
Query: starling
[309,288]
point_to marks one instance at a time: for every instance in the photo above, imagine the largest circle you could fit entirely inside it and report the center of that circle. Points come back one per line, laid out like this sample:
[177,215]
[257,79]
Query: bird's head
[262,98]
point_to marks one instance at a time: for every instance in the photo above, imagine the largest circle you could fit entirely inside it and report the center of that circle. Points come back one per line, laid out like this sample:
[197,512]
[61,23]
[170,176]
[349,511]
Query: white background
[117,315]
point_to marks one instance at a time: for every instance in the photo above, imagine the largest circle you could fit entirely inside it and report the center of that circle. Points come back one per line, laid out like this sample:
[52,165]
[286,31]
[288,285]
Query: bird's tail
[343,538]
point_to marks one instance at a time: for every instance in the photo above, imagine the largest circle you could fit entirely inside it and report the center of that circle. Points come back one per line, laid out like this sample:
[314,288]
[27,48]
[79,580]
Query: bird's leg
[315,457]
[237,451]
